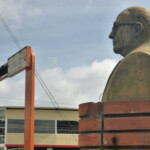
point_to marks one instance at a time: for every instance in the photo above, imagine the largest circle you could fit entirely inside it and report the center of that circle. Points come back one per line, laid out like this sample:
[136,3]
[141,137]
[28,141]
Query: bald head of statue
[131,30]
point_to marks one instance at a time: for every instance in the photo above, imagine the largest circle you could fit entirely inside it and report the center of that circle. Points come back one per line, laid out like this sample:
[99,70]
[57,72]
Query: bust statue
[130,80]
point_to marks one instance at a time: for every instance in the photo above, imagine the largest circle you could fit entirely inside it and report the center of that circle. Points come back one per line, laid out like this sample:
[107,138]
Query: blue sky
[74,55]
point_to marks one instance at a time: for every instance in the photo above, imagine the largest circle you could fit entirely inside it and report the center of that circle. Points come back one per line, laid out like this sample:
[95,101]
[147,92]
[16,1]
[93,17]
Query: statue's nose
[111,35]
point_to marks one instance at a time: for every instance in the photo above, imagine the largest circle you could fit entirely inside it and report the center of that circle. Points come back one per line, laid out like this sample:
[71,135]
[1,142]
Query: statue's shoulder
[138,52]
[130,80]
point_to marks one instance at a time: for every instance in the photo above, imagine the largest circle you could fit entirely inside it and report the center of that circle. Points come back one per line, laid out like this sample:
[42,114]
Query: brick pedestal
[115,126]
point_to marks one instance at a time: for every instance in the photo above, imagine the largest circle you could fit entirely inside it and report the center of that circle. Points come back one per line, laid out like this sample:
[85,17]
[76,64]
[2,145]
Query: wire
[52,99]
[10,32]
[19,100]
[49,94]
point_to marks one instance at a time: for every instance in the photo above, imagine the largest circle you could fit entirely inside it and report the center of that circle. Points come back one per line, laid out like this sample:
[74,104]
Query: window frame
[68,132]
[54,127]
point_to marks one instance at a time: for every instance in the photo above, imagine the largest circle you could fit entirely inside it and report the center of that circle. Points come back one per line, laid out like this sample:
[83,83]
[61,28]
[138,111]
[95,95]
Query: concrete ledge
[90,108]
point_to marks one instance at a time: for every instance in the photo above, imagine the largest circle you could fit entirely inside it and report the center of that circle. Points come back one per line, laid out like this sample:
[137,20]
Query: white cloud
[34,12]
[12,92]
[14,12]
[69,87]
[4,87]
[78,84]
[74,20]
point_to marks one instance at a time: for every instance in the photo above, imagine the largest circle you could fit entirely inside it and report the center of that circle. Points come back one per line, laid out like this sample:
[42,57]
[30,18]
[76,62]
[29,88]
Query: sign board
[17,62]
[23,60]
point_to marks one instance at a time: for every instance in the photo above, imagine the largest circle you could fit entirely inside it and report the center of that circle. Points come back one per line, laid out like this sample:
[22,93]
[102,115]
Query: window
[2,113]
[2,131]
[67,127]
[41,126]
[45,126]
[2,123]
[15,126]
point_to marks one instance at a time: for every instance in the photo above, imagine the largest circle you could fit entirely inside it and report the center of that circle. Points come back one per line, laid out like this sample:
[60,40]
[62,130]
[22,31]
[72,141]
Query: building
[54,128]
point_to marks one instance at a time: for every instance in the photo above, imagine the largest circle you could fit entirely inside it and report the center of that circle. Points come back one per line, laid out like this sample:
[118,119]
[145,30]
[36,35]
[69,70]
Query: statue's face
[122,35]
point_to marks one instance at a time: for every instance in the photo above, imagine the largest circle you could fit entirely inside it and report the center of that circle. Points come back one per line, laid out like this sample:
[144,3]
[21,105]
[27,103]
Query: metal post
[29,103]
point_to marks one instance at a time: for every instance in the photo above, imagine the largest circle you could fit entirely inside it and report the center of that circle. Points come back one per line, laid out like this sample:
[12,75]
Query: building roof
[41,108]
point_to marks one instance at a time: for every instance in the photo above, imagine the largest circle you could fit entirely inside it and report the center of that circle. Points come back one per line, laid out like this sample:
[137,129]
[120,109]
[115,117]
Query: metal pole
[29,103]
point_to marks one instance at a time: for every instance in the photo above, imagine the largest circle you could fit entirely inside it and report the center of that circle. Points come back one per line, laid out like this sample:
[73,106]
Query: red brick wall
[114,125]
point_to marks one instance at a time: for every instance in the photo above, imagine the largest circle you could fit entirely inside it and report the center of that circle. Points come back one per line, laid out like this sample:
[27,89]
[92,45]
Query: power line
[53,99]
[10,32]
[36,73]
[20,99]
[49,94]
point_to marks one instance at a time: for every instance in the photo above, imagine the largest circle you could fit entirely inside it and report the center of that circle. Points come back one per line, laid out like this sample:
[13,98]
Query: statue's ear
[138,28]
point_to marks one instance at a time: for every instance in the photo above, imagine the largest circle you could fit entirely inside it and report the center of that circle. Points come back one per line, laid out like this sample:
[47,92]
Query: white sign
[17,62]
